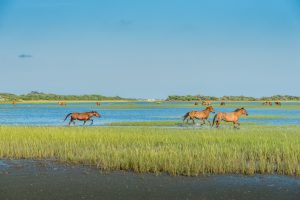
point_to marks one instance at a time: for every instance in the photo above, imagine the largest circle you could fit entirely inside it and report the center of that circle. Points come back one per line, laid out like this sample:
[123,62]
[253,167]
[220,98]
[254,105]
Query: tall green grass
[253,149]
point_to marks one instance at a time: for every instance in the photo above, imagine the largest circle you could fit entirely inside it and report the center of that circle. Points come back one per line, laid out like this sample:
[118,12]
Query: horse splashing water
[201,115]
[229,117]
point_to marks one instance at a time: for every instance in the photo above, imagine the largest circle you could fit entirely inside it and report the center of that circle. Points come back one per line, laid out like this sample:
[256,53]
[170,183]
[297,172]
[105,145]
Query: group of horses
[61,103]
[269,103]
[208,103]
[221,116]
[192,115]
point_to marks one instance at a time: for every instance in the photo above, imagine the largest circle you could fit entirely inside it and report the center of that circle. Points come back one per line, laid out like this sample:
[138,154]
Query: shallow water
[28,179]
[53,115]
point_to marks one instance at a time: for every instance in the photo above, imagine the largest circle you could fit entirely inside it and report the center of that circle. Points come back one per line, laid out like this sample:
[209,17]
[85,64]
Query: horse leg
[84,123]
[203,122]
[187,120]
[92,122]
[193,120]
[209,122]
[71,120]
[234,124]
[217,123]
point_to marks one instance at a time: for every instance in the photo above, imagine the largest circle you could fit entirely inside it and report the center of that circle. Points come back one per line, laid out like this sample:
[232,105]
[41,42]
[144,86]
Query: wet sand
[28,179]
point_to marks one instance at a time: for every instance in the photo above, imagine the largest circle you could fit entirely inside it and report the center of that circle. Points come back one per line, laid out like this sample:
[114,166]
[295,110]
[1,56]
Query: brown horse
[201,115]
[196,103]
[98,103]
[86,116]
[268,103]
[206,103]
[222,103]
[62,103]
[14,103]
[277,103]
[229,117]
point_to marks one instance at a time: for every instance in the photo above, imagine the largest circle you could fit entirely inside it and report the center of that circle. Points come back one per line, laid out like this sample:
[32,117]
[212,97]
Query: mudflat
[46,179]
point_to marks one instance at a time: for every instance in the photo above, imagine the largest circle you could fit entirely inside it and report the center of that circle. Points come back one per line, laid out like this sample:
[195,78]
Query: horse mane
[238,109]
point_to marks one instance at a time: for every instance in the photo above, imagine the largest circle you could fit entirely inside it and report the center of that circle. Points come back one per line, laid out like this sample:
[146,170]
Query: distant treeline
[232,98]
[36,96]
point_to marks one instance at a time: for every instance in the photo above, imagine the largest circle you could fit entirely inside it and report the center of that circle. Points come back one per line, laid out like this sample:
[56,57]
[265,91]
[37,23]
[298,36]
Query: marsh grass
[252,149]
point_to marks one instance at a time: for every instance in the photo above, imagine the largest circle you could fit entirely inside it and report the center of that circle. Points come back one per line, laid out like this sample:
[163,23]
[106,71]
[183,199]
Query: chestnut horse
[98,103]
[229,117]
[268,103]
[62,103]
[201,115]
[206,103]
[86,116]
[277,103]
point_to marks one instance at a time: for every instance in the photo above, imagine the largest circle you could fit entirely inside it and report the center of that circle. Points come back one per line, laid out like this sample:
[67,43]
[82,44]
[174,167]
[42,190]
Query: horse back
[199,114]
[80,116]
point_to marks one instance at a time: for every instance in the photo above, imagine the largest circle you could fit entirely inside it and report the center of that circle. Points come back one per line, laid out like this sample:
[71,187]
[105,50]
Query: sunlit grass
[252,149]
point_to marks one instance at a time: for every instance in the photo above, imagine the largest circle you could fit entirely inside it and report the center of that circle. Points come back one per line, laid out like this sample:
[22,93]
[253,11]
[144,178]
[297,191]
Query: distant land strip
[232,98]
[40,96]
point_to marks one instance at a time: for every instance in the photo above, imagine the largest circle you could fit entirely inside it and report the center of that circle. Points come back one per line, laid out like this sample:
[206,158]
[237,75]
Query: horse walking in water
[62,103]
[268,103]
[206,103]
[201,115]
[277,103]
[98,103]
[229,117]
[86,116]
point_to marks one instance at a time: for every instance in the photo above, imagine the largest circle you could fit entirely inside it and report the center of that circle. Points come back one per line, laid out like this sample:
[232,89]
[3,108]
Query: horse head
[211,109]
[96,114]
[244,111]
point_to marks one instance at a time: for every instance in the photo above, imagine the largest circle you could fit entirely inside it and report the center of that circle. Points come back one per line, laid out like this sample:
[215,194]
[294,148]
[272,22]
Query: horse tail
[185,116]
[68,116]
[214,120]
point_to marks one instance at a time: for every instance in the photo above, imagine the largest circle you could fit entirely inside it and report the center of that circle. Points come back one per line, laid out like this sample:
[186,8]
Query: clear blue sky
[150,49]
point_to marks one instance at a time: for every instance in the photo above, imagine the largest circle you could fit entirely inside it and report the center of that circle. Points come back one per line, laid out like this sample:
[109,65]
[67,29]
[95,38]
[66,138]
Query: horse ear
[243,108]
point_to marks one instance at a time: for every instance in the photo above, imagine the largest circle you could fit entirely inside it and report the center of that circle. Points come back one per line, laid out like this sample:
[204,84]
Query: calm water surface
[53,115]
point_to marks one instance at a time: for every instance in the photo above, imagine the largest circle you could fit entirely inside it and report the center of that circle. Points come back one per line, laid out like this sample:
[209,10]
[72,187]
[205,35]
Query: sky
[150,49]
